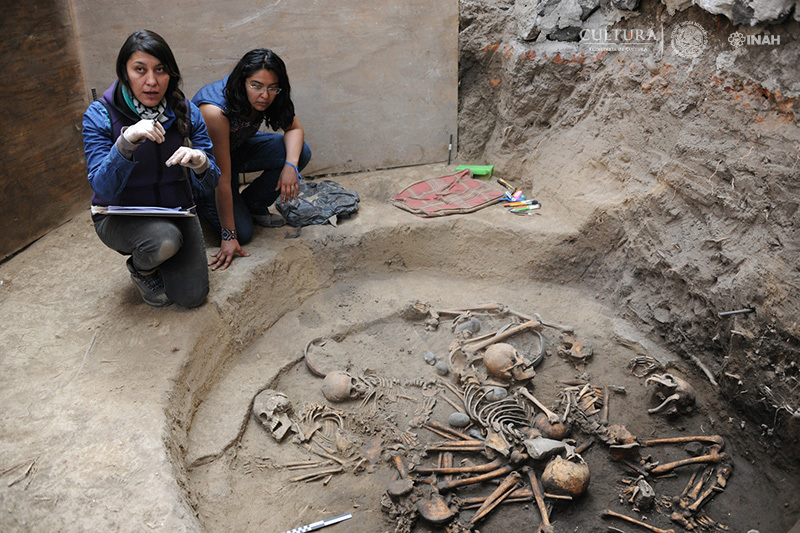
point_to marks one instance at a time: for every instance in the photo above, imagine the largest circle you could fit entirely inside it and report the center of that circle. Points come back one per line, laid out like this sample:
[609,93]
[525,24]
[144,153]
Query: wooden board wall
[375,84]
[42,171]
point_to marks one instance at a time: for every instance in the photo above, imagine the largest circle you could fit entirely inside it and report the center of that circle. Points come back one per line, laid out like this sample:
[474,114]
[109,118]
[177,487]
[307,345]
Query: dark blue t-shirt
[214,93]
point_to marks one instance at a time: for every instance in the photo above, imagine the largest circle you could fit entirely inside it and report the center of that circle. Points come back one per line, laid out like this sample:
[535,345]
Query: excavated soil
[669,192]
[384,345]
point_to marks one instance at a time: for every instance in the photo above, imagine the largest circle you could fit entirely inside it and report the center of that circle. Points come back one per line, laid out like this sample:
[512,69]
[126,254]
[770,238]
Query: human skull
[678,395]
[272,409]
[340,386]
[566,477]
[500,358]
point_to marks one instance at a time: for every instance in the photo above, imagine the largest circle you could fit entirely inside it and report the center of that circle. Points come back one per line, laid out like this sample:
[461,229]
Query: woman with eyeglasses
[147,146]
[256,91]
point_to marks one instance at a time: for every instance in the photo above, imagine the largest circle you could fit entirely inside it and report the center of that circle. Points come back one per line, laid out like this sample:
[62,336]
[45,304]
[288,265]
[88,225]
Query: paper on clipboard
[142,210]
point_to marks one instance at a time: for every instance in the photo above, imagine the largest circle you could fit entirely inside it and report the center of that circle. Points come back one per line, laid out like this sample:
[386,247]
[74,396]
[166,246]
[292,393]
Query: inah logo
[689,39]
[736,39]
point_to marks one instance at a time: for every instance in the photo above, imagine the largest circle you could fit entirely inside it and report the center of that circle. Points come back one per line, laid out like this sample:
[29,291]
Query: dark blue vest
[151,182]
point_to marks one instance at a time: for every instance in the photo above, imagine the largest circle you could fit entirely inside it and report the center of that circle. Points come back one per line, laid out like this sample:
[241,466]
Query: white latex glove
[145,129]
[189,157]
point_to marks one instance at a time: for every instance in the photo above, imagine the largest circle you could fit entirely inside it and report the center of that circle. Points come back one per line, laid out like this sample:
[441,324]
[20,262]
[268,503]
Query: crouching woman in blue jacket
[146,145]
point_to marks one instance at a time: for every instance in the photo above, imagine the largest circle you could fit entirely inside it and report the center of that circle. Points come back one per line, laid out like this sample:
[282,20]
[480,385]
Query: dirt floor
[669,192]
[121,417]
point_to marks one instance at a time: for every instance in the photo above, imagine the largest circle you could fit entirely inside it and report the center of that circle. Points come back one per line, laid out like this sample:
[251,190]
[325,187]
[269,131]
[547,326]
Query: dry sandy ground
[107,400]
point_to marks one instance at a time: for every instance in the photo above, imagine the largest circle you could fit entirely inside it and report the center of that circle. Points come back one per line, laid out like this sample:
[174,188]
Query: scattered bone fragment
[645,496]
[575,349]
[466,326]
[678,395]
[313,476]
[497,442]
[435,510]
[403,485]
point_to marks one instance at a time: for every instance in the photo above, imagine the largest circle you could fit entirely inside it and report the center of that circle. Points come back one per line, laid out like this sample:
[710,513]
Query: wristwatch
[228,234]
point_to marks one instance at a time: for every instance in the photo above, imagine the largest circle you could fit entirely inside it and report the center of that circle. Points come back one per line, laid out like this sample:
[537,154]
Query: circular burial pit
[304,458]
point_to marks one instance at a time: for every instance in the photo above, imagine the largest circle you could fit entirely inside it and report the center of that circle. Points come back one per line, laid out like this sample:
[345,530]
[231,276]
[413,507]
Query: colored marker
[521,203]
[525,208]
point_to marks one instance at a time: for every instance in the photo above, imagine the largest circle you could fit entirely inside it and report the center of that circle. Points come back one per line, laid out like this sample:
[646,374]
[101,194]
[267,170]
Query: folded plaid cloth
[447,195]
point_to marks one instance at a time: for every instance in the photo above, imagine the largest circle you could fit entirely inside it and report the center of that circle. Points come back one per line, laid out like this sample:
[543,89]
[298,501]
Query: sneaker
[269,220]
[150,286]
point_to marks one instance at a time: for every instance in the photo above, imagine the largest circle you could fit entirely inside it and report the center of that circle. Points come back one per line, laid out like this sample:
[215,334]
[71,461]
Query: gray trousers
[173,245]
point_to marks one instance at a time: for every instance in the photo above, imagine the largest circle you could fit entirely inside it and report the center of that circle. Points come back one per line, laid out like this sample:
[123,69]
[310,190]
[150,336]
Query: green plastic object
[478,170]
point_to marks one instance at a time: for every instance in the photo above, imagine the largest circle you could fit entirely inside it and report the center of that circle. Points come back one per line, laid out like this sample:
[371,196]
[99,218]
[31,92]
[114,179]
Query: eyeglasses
[261,89]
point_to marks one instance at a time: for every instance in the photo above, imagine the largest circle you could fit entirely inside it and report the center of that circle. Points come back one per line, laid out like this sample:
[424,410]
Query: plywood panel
[374,83]
[43,180]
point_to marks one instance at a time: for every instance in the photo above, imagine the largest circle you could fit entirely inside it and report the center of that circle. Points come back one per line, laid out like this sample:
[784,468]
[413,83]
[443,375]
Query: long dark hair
[280,113]
[152,43]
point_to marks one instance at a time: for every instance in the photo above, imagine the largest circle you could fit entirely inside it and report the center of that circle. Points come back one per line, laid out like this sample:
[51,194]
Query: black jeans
[173,245]
[263,152]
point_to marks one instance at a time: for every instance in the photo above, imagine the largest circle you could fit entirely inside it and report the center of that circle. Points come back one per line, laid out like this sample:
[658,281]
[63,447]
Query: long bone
[445,429]
[447,485]
[517,495]
[506,487]
[560,327]
[711,439]
[546,526]
[475,469]
[510,332]
[713,457]
[567,408]
[609,512]
[551,416]
[485,336]
[604,413]
[690,483]
[717,485]
[484,307]
[696,486]
[447,462]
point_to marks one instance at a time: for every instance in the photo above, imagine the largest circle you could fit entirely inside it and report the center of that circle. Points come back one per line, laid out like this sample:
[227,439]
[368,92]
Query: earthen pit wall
[715,143]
